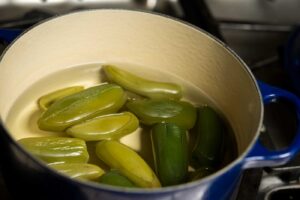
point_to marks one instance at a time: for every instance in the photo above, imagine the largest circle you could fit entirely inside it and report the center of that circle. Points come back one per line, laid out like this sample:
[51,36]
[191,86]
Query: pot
[48,55]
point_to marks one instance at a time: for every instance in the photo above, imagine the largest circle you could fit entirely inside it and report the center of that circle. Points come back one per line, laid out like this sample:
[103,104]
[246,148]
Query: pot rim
[238,161]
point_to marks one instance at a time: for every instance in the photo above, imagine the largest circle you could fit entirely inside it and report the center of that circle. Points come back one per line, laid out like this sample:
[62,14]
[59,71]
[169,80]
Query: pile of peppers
[105,113]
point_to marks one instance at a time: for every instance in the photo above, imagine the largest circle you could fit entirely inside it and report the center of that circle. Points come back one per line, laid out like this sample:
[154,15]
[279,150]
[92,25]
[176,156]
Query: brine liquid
[22,117]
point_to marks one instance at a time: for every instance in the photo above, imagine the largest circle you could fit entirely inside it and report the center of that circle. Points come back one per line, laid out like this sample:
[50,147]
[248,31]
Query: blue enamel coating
[261,156]
[8,35]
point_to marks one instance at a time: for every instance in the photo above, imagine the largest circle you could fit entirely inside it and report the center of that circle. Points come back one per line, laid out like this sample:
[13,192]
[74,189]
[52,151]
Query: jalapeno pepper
[83,171]
[209,138]
[57,149]
[89,103]
[109,126]
[115,178]
[170,150]
[128,162]
[47,100]
[141,86]
[152,111]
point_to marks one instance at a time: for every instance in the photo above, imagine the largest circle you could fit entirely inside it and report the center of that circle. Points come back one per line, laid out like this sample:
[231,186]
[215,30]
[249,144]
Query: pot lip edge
[235,163]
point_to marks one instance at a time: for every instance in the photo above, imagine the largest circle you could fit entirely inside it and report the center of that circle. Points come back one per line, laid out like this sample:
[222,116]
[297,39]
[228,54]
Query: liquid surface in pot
[23,116]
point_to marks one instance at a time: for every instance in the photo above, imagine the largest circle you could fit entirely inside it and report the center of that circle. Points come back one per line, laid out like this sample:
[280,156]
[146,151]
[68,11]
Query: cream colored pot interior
[149,45]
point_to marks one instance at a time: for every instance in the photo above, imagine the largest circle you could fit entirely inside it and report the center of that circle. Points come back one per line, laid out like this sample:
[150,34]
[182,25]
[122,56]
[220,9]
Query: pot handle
[260,156]
[8,35]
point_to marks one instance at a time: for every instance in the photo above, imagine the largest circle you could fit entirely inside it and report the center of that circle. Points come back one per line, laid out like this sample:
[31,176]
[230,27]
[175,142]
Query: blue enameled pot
[151,43]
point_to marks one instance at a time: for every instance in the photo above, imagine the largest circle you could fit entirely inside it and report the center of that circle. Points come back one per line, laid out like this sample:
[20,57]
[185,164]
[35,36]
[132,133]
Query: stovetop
[259,45]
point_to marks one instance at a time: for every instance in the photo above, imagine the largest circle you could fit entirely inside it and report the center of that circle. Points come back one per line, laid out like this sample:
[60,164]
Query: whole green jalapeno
[152,111]
[87,104]
[141,86]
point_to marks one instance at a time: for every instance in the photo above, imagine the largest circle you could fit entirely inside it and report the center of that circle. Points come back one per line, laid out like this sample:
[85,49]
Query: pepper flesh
[47,100]
[110,126]
[170,151]
[128,162]
[152,111]
[89,103]
[57,149]
[79,170]
[141,86]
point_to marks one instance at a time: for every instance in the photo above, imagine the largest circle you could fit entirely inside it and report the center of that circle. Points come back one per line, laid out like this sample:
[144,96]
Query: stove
[259,41]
